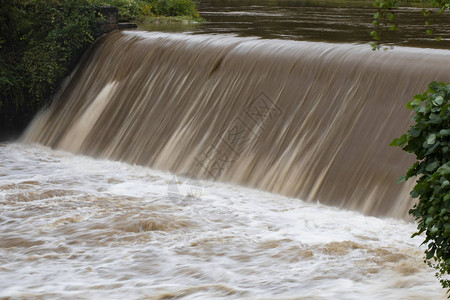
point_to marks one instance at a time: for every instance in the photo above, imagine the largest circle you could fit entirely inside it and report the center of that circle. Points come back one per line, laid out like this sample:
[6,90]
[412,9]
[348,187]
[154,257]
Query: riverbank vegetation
[42,40]
[147,11]
[429,140]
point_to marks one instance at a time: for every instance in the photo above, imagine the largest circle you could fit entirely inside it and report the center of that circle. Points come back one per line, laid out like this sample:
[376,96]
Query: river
[78,227]
[111,192]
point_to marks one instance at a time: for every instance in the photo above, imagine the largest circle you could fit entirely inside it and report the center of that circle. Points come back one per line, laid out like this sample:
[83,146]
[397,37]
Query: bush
[128,9]
[174,8]
[40,42]
[136,10]
[429,139]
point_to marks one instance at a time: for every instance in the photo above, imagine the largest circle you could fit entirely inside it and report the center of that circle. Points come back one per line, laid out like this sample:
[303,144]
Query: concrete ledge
[126,25]
[110,14]
[111,17]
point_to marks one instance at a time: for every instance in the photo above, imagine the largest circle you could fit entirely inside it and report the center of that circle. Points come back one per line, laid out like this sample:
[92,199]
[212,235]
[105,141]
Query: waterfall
[303,119]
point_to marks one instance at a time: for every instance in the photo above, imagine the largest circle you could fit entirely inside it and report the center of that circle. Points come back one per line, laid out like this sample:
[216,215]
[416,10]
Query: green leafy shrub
[137,10]
[40,42]
[128,9]
[174,8]
[59,35]
[429,140]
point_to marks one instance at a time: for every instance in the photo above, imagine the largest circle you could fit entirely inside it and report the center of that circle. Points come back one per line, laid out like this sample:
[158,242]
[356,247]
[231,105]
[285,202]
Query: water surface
[77,227]
[326,21]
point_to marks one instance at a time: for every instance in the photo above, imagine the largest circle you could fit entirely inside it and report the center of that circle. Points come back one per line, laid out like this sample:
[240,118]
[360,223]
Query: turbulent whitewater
[74,227]
[301,119]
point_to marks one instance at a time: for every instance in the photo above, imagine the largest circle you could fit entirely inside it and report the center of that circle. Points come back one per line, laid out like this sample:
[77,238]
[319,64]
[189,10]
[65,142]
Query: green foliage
[174,8]
[42,40]
[138,10]
[429,140]
[385,19]
[59,34]
[128,9]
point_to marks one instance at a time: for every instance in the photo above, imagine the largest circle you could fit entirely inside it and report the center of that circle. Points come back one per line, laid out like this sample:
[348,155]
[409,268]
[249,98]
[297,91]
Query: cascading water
[308,120]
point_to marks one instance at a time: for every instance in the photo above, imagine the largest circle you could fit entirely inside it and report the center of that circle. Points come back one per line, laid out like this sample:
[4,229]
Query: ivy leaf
[400,141]
[444,132]
[444,169]
[414,194]
[438,101]
[431,139]
[401,179]
[435,119]
[431,167]
[414,103]
[414,132]
[430,254]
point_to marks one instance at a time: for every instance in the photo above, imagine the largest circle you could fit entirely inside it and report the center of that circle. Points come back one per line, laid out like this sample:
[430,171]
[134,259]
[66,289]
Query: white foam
[74,226]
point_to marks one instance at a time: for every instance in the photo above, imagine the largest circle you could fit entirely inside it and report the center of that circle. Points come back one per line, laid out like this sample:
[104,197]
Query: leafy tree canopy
[429,140]
[42,40]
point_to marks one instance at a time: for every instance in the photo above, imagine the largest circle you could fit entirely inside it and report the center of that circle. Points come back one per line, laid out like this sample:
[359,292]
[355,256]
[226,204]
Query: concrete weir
[111,16]
[302,119]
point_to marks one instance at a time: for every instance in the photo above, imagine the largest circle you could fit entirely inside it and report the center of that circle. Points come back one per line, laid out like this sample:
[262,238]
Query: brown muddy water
[74,227]
[321,21]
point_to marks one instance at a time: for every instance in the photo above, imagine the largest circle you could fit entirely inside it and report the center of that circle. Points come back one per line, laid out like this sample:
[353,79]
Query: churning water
[78,227]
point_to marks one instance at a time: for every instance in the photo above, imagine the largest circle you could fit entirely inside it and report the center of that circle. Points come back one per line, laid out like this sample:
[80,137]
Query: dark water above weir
[306,120]
[325,21]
